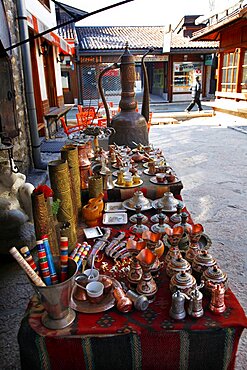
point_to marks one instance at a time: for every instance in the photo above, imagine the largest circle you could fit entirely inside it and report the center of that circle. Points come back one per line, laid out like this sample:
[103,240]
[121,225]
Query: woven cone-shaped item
[60,184]
[43,220]
[95,186]
[70,153]
[40,214]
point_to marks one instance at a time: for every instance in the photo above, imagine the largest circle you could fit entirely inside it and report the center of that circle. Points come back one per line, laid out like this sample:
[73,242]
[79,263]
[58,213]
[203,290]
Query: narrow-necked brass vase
[129,124]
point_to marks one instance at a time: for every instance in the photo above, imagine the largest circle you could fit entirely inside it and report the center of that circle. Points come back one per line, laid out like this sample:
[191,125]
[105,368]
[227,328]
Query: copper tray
[87,307]
[154,181]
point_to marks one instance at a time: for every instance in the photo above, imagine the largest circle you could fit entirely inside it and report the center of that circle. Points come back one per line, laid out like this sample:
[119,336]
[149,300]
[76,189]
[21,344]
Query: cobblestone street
[211,160]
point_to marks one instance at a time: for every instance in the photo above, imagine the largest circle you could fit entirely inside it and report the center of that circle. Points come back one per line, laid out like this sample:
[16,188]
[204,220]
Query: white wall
[41,12]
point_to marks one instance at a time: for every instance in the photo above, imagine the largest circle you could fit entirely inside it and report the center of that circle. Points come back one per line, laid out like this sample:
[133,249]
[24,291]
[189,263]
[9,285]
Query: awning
[54,38]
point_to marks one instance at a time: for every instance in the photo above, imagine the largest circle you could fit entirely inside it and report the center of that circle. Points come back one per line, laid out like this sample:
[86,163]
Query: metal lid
[214,274]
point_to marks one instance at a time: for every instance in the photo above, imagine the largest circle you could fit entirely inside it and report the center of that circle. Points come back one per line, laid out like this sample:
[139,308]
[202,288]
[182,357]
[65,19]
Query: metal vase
[56,299]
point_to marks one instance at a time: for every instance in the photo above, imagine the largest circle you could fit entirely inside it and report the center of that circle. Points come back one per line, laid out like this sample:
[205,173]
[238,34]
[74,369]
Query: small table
[54,115]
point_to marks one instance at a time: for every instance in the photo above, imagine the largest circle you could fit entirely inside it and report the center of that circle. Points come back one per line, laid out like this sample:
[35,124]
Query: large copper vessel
[129,124]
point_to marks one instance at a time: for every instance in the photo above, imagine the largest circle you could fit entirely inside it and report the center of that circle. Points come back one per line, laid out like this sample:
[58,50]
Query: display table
[148,340]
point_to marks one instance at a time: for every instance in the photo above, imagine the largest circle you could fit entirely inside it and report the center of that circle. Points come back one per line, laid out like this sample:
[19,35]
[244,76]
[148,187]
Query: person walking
[195,94]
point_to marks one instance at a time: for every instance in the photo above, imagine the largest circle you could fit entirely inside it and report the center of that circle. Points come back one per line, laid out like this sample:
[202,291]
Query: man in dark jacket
[195,94]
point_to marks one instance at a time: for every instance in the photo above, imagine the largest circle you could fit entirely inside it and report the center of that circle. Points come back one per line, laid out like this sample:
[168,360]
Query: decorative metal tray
[118,218]
[154,181]
[127,187]
[114,207]
[87,307]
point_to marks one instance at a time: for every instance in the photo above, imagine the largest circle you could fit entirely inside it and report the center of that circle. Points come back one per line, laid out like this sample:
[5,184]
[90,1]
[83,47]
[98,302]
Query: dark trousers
[195,101]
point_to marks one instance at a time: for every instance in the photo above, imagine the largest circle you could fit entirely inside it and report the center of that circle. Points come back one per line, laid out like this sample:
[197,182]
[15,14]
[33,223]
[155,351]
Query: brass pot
[182,281]
[213,276]
[178,264]
[202,261]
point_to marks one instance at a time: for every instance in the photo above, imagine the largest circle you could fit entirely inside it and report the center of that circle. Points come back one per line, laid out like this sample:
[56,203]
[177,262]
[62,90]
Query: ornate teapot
[182,281]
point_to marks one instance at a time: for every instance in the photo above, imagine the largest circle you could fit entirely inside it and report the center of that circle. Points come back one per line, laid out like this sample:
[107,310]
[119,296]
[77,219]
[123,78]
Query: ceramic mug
[95,291]
[160,177]
[95,274]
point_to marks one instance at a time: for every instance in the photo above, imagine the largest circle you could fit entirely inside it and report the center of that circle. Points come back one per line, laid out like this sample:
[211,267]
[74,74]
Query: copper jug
[129,124]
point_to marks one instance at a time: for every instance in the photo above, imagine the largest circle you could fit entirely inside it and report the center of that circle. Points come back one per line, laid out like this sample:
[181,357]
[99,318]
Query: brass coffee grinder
[129,124]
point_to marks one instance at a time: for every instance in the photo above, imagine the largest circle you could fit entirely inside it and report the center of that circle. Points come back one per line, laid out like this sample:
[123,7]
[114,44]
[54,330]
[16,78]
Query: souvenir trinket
[185,241]
[195,308]
[161,226]
[137,199]
[138,209]
[140,301]
[214,275]
[177,218]
[124,304]
[138,228]
[147,285]
[182,281]
[217,303]
[177,311]
[202,261]
[194,236]
[178,264]
[168,202]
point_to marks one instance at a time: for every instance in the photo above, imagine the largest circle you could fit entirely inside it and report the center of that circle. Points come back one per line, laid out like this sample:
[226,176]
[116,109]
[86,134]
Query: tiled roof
[138,37]
[109,38]
[180,42]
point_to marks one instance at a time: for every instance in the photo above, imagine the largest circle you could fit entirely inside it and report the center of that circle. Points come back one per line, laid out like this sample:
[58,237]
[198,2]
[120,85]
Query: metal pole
[28,80]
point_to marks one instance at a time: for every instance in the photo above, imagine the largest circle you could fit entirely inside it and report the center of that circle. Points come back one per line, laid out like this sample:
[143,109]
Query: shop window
[244,75]
[183,75]
[229,72]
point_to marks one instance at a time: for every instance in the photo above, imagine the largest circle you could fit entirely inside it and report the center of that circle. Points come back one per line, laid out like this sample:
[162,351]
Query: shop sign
[90,59]
[152,58]
[208,59]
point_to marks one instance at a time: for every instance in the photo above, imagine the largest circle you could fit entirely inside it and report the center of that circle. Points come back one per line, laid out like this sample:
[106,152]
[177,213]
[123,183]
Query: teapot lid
[183,279]
[215,274]
[204,258]
[179,263]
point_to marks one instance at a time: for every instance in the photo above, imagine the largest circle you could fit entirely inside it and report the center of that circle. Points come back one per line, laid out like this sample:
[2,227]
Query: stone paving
[211,160]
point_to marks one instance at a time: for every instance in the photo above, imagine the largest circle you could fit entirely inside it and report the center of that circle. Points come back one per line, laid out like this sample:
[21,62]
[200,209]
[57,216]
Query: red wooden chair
[90,111]
[82,123]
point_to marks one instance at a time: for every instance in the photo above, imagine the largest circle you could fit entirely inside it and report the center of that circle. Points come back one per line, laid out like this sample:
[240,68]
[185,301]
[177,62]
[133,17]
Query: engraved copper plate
[154,181]
[88,307]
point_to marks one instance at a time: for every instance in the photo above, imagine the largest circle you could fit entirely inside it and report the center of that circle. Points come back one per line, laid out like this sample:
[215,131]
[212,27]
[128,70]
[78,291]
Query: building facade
[30,76]
[229,27]
[171,66]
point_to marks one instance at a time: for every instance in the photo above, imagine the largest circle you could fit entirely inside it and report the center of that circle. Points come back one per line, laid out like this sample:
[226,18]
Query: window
[244,75]
[65,80]
[183,75]
[229,72]
[45,3]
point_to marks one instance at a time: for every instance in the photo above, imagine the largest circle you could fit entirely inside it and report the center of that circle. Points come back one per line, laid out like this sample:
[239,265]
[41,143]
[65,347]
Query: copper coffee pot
[129,124]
